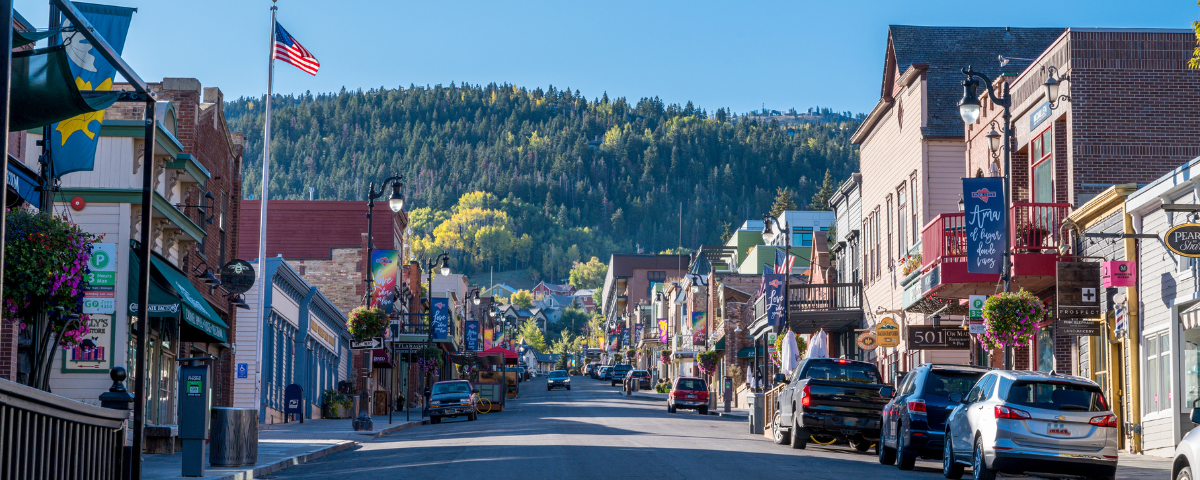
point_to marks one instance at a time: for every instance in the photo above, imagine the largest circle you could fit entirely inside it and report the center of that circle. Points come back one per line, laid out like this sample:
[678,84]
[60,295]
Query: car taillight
[916,406]
[1009,412]
[1104,421]
[805,397]
[703,395]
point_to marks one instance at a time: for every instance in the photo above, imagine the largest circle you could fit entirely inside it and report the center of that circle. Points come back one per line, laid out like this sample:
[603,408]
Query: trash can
[234,437]
[754,402]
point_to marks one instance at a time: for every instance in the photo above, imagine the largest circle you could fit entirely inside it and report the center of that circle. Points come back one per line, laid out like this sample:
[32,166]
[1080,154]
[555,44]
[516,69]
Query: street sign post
[366,344]
[975,304]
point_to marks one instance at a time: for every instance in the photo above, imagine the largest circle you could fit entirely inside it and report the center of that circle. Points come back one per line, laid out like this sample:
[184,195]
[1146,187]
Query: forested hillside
[568,178]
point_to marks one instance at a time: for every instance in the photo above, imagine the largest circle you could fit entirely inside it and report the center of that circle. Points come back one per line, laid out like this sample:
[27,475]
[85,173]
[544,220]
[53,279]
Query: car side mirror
[475,391]
[955,397]
[888,392]
[780,378]
[1196,415]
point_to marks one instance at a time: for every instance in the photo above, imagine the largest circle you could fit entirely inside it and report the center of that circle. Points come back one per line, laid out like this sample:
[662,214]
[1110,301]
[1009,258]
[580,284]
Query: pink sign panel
[1118,274]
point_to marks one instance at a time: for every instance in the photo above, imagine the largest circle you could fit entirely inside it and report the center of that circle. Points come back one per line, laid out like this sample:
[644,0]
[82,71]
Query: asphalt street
[593,431]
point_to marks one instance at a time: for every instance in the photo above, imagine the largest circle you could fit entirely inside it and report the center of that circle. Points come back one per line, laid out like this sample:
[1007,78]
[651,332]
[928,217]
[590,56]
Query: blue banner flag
[471,336]
[441,318]
[73,141]
[773,285]
[985,207]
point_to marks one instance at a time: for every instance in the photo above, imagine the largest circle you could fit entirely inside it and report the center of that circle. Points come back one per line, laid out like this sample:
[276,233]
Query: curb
[395,428]
[288,462]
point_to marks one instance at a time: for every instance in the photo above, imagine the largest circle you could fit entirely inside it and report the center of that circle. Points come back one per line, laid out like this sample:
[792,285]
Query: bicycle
[483,405]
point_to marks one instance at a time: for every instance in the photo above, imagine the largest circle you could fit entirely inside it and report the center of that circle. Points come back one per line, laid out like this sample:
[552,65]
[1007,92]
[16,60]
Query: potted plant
[366,323]
[334,404]
[1031,235]
[1011,319]
[910,268]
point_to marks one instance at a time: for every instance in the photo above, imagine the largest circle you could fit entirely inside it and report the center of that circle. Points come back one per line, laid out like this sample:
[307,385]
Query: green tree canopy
[522,299]
[820,200]
[533,336]
[588,275]
[783,202]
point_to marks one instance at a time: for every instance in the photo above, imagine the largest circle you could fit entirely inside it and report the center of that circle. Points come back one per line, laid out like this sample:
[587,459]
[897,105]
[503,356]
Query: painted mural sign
[1184,240]
[94,352]
[984,206]
[773,291]
[99,293]
[384,264]
[441,317]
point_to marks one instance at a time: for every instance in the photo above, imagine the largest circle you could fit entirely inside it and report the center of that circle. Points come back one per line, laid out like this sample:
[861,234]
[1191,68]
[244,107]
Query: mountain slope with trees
[566,178]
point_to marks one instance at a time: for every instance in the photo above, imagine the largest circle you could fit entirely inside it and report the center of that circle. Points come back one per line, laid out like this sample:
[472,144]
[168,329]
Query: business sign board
[93,353]
[1077,327]
[1184,239]
[1039,115]
[1118,274]
[887,333]
[99,291]
[1078,290]
[866,340]
[921,337]
[985,208]
[975,304]
[441,317]
[237,277]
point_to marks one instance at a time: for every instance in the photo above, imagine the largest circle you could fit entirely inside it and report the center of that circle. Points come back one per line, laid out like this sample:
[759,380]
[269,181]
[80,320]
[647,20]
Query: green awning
[748,352]
[162,304]
[44,91]
[196,311]
[720,345]
[21,39]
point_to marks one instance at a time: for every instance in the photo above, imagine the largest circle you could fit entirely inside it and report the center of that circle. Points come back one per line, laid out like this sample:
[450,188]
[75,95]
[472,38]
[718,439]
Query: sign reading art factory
[984,208]
[1184,240]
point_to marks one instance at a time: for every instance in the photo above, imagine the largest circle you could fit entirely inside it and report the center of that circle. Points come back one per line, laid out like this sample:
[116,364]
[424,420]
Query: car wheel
[1185,473]
[906,457]
[799,435]
[568,387]
[472,416]
[861,446]
[435,420]
[549,389]
[779,436]
[703,410]
[950,468]
[887,456]
[670,408]
[979,465]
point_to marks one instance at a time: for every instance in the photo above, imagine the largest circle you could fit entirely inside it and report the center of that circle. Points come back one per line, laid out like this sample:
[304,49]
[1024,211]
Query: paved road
[594,432]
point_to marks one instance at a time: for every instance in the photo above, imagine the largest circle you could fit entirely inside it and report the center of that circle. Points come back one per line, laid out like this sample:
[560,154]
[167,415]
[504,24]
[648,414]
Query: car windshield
[640,373]
[1063,396]
[843,372]
[558,374]
[690,384]
[943,383]
[455,387]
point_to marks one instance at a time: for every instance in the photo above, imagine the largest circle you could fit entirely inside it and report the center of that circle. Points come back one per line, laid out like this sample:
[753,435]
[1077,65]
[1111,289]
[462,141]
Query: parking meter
[728,393]
[194,412]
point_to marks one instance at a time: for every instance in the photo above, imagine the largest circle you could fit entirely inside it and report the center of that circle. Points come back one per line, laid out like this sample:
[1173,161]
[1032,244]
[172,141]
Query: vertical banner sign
[471,339]
[699,327]
[774,295]
[1078,299]
[99,291]
[637,333]
[984,205]
[441,318]
[384,265]
[73,141]
[662,331]
[487,338]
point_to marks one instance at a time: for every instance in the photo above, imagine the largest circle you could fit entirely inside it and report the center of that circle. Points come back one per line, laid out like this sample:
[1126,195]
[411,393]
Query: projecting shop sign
[1184,240]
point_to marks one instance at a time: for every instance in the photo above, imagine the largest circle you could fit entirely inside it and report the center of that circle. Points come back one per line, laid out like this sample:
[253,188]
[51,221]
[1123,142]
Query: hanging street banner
[471,335]
[1184,239]
[662,331]
[1078,290]
[441,317]
[487,338]
[384,265]
[773,292]
[699,328]
[637,334]
[99,291]
[985,208]
[73,141]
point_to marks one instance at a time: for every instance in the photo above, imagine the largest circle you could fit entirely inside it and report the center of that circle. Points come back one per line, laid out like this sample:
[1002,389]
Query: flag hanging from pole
[290,51]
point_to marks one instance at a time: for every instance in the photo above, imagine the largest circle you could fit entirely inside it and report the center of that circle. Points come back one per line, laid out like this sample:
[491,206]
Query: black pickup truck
[831,398]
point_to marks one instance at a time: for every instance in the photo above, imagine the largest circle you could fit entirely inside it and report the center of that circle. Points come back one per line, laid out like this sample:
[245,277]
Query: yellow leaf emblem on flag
[80,123]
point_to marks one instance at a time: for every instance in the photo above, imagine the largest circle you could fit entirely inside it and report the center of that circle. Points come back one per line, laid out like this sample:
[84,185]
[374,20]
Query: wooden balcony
[829,306]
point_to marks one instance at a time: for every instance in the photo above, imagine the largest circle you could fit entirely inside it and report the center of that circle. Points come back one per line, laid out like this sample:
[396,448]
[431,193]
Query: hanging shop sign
[921,337]
[866,340]
[1077,327]
[887,333]
[93,353]
[975,303]
[99,291]
[984,206]
[1078,290]
[237,277]
[1184,240]
[1118,274]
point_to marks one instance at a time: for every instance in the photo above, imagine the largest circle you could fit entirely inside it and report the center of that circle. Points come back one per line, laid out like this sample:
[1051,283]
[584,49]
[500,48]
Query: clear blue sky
[736,54]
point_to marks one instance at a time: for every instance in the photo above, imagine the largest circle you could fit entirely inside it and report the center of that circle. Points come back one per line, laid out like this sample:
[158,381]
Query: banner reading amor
[984,206]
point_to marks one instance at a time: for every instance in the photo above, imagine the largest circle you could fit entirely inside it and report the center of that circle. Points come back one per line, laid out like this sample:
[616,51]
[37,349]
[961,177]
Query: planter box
[904,282]
[336,411]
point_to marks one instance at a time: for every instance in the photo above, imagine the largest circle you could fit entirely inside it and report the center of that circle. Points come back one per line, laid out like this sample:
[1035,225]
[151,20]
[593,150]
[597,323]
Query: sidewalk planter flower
[801,345]
[366,323]
[335,404]
[1011,319]
[429,360]
[1031,235]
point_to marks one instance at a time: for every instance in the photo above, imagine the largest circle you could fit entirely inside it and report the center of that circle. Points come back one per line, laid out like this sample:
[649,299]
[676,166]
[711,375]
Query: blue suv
[914,421]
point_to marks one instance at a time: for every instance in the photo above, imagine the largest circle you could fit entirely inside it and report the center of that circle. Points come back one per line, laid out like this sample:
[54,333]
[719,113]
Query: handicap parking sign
[243,370]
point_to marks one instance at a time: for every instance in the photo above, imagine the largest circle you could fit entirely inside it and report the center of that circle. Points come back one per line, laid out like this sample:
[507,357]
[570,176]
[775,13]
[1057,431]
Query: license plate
[1057,429]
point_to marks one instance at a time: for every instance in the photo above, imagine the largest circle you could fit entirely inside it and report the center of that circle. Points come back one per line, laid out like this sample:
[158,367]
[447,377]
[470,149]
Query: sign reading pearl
[1184,240]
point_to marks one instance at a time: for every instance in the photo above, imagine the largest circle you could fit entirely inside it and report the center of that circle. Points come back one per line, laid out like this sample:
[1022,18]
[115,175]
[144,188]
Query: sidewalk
[283,445]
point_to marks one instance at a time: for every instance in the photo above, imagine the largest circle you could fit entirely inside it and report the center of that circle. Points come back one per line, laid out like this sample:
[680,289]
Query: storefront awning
[200,322]
[1190,318]
[44,91]
[380,358]
[748,352]
[720,345]
[23,184]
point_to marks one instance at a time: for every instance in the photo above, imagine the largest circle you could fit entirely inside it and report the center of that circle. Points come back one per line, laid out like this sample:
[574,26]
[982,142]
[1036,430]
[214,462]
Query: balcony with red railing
[1035,238]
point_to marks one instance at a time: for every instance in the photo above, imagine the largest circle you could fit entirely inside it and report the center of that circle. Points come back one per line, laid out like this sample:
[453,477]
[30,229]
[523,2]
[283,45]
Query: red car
[690,393]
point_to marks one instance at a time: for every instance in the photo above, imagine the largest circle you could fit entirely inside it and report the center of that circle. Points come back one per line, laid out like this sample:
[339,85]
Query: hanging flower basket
[429,360]
[1011,319]
[801,345]
[45,266]
[366,323]
[665,356]
[707,362]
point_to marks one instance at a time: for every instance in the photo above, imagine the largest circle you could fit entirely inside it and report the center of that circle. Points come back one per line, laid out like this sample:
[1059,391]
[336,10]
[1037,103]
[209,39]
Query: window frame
[1043,156]
[1157,367]
[902,217]
[916,219]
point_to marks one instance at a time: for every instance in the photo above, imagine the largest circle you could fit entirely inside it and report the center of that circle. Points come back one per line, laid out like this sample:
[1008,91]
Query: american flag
[783,262]
[290,51]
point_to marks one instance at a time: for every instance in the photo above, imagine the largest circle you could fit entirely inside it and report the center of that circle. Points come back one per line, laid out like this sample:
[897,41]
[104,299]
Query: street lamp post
[969,109]
[396,203]
[442,261]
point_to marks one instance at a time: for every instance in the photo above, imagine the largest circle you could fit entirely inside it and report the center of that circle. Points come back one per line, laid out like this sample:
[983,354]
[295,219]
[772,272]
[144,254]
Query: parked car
[640,376]
[832,398]
[558,379]
[1034,423]
[619,372]
[590,369]
[606,372]
[1187,453]
[453,398]
[688,393]
[914,421]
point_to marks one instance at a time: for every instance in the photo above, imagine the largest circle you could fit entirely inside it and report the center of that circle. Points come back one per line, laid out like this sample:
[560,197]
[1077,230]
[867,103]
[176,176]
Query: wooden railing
[1034,228]
[821,297]
[770,399]
[45,436]
[944,240]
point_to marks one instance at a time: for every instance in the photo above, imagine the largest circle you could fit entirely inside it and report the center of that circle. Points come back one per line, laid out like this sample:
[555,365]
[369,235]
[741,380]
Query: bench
[160,439]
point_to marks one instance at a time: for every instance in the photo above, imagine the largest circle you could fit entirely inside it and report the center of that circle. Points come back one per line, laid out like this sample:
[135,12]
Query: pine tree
[820,200]
[783,202]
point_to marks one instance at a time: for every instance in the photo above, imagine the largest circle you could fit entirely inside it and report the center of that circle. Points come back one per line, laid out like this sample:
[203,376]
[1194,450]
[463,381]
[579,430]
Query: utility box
[194,413]
[755,403]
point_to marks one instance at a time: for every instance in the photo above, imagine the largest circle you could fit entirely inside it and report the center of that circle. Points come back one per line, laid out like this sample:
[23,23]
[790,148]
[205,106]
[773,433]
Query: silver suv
[1033,423]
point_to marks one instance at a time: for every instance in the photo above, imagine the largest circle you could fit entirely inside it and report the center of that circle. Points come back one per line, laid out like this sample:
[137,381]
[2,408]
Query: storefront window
[1156,395]
[1045,350]
[1191,366]
[1041,153]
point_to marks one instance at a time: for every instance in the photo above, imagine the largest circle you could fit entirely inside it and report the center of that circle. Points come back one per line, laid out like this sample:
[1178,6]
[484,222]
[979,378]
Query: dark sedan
[453,398]
[558,379]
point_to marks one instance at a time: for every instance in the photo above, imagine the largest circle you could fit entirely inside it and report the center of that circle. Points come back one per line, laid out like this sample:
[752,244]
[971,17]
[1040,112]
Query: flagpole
[262,218]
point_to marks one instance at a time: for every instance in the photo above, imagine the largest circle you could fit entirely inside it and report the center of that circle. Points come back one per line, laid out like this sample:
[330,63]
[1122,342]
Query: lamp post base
[363,424]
